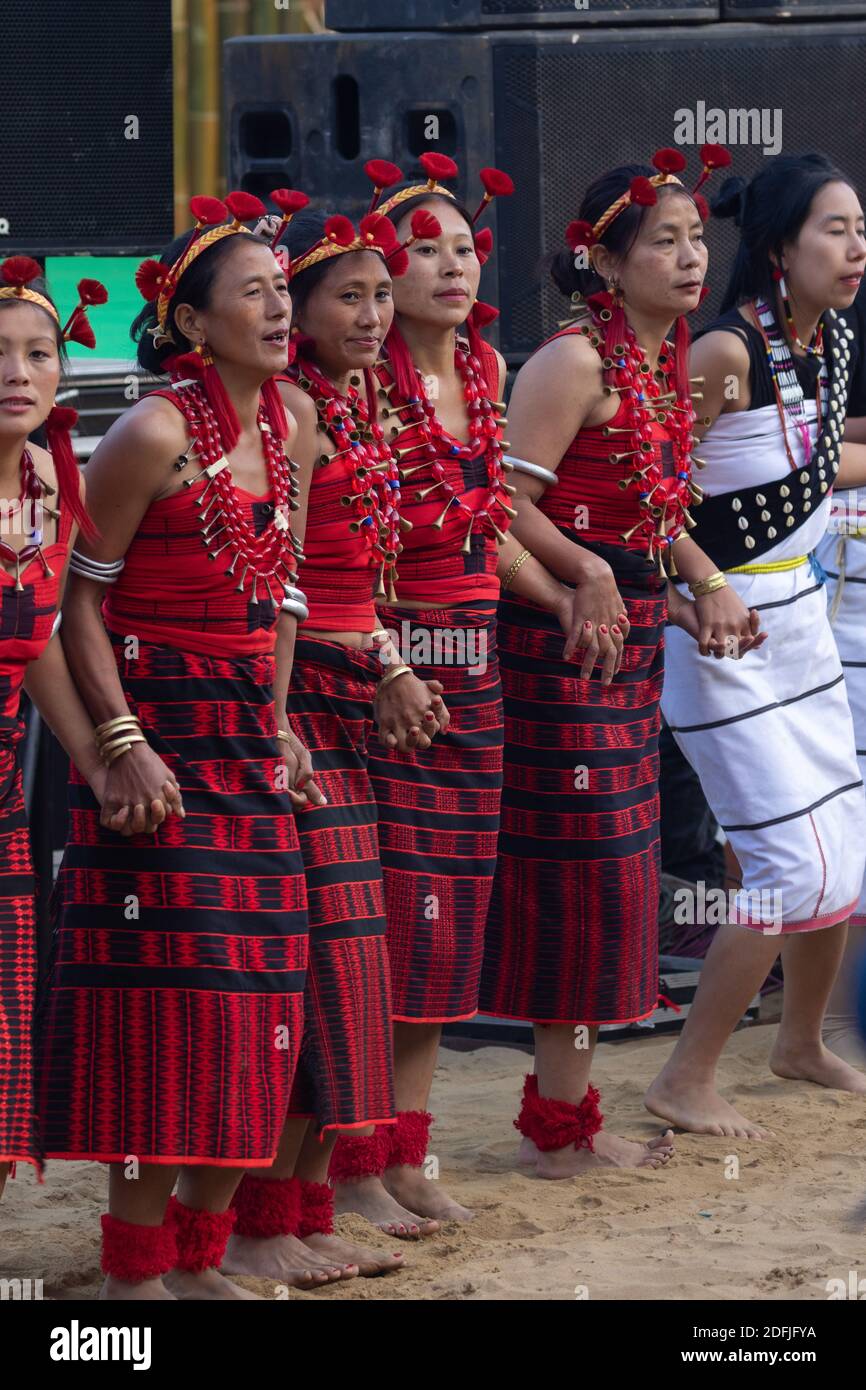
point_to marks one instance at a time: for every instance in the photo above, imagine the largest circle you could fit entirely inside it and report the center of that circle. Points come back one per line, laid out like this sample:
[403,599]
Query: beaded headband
[642,192]
[18,271]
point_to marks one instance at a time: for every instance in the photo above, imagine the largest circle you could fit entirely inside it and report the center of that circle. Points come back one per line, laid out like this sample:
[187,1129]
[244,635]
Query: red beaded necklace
[485,432]
[375,496]
[273,554]
[647,398]
[30,500]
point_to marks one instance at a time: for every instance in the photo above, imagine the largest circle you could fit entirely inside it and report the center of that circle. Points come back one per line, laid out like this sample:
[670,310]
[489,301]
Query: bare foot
[698,1107]
[609,1152]
[527,1154]
[343,1252]
[368,1198]
[115,1290]
[284,1258]
[209,1285]
[815,1063]
[423,1195]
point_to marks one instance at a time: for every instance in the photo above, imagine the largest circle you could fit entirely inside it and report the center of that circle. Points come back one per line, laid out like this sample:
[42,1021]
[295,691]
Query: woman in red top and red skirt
[342,681]
[175,1007]
[602,426]
[440,394]
[41,516]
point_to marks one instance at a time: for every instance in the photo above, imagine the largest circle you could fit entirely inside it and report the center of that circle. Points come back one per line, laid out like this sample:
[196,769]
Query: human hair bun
[729,200]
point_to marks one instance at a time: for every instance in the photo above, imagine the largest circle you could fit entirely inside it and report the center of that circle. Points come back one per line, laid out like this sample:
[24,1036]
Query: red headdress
[17,274]
[159,282]
[642,192]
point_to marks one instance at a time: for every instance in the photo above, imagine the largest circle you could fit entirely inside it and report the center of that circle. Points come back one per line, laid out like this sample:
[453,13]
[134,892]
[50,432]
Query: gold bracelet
[116,750]
[283,736]
[709,585]
[514,567]
[391,675]
[379,633]
[102,730]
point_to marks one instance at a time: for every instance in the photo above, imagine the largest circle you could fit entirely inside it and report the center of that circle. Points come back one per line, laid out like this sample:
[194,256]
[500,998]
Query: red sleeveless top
[172,592]
[597,498]
[27,614]
[351,513]
[451,553]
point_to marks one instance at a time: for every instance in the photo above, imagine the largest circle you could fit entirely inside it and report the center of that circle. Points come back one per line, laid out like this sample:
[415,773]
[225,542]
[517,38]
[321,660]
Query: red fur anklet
[266,1207]
[409,1138]
[133,1253]
[554,1124]
[358,1157]
[202,1236]
[317,1210]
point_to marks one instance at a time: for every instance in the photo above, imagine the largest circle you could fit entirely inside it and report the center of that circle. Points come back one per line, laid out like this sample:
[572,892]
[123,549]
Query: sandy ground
[792,1218]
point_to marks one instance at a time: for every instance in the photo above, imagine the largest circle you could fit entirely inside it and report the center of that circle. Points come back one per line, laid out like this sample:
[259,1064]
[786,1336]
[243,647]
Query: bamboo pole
[204,96]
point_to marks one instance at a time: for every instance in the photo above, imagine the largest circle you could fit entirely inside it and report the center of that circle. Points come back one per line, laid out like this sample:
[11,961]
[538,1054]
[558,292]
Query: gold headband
[200,244]
[624,201]
[21,292]
[415,191]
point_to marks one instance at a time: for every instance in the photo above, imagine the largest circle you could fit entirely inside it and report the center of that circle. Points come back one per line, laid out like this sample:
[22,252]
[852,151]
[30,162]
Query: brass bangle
[102,730]
[391,675]
[116,750]
[283,736]
[709,585]
[514,567]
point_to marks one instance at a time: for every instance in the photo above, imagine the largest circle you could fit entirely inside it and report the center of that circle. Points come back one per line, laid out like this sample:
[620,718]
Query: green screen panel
[110,321]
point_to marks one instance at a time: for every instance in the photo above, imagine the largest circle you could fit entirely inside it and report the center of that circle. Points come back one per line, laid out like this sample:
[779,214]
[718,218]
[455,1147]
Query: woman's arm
[50,687]
[130,467]
[721,359]
[301,445]
[557,392]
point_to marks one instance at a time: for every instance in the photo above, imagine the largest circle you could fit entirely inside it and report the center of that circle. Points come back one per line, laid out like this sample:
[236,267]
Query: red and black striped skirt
[439,815]
[345,1075]
[174,1013]
[18,958]
[572,935]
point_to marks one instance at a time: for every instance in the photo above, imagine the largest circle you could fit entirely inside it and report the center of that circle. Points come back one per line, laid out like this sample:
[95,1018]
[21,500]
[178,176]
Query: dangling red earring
[200,364]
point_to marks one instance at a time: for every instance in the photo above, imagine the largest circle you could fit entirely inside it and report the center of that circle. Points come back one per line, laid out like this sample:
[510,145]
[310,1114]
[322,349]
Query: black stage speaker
[307,113]
[355,15]
[86,128]
[792,9]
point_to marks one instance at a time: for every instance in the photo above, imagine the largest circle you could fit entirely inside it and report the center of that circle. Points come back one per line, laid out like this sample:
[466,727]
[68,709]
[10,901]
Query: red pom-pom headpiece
[18,272]
[157,281]
[375,232]
[642,191]
[495,182]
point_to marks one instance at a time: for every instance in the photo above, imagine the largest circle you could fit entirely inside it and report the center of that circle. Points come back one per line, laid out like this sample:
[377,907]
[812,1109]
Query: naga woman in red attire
[602,422]
[175,1008]
[344,678]
[42,501]
[440,394]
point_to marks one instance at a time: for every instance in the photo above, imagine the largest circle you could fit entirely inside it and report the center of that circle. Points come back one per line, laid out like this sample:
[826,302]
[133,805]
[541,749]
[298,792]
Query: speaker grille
[566,7]
[556,131]
[73,79]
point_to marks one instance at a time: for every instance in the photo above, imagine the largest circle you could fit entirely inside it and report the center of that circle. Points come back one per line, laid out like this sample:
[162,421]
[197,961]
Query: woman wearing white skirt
[772,738]
[842,556]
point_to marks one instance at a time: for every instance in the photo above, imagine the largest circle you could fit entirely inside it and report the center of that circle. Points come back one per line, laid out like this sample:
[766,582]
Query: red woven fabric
[554,1124]
[266,1207]
[587,499]
[317,1209]
[26,620]
[202,1236]
[133,1253]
